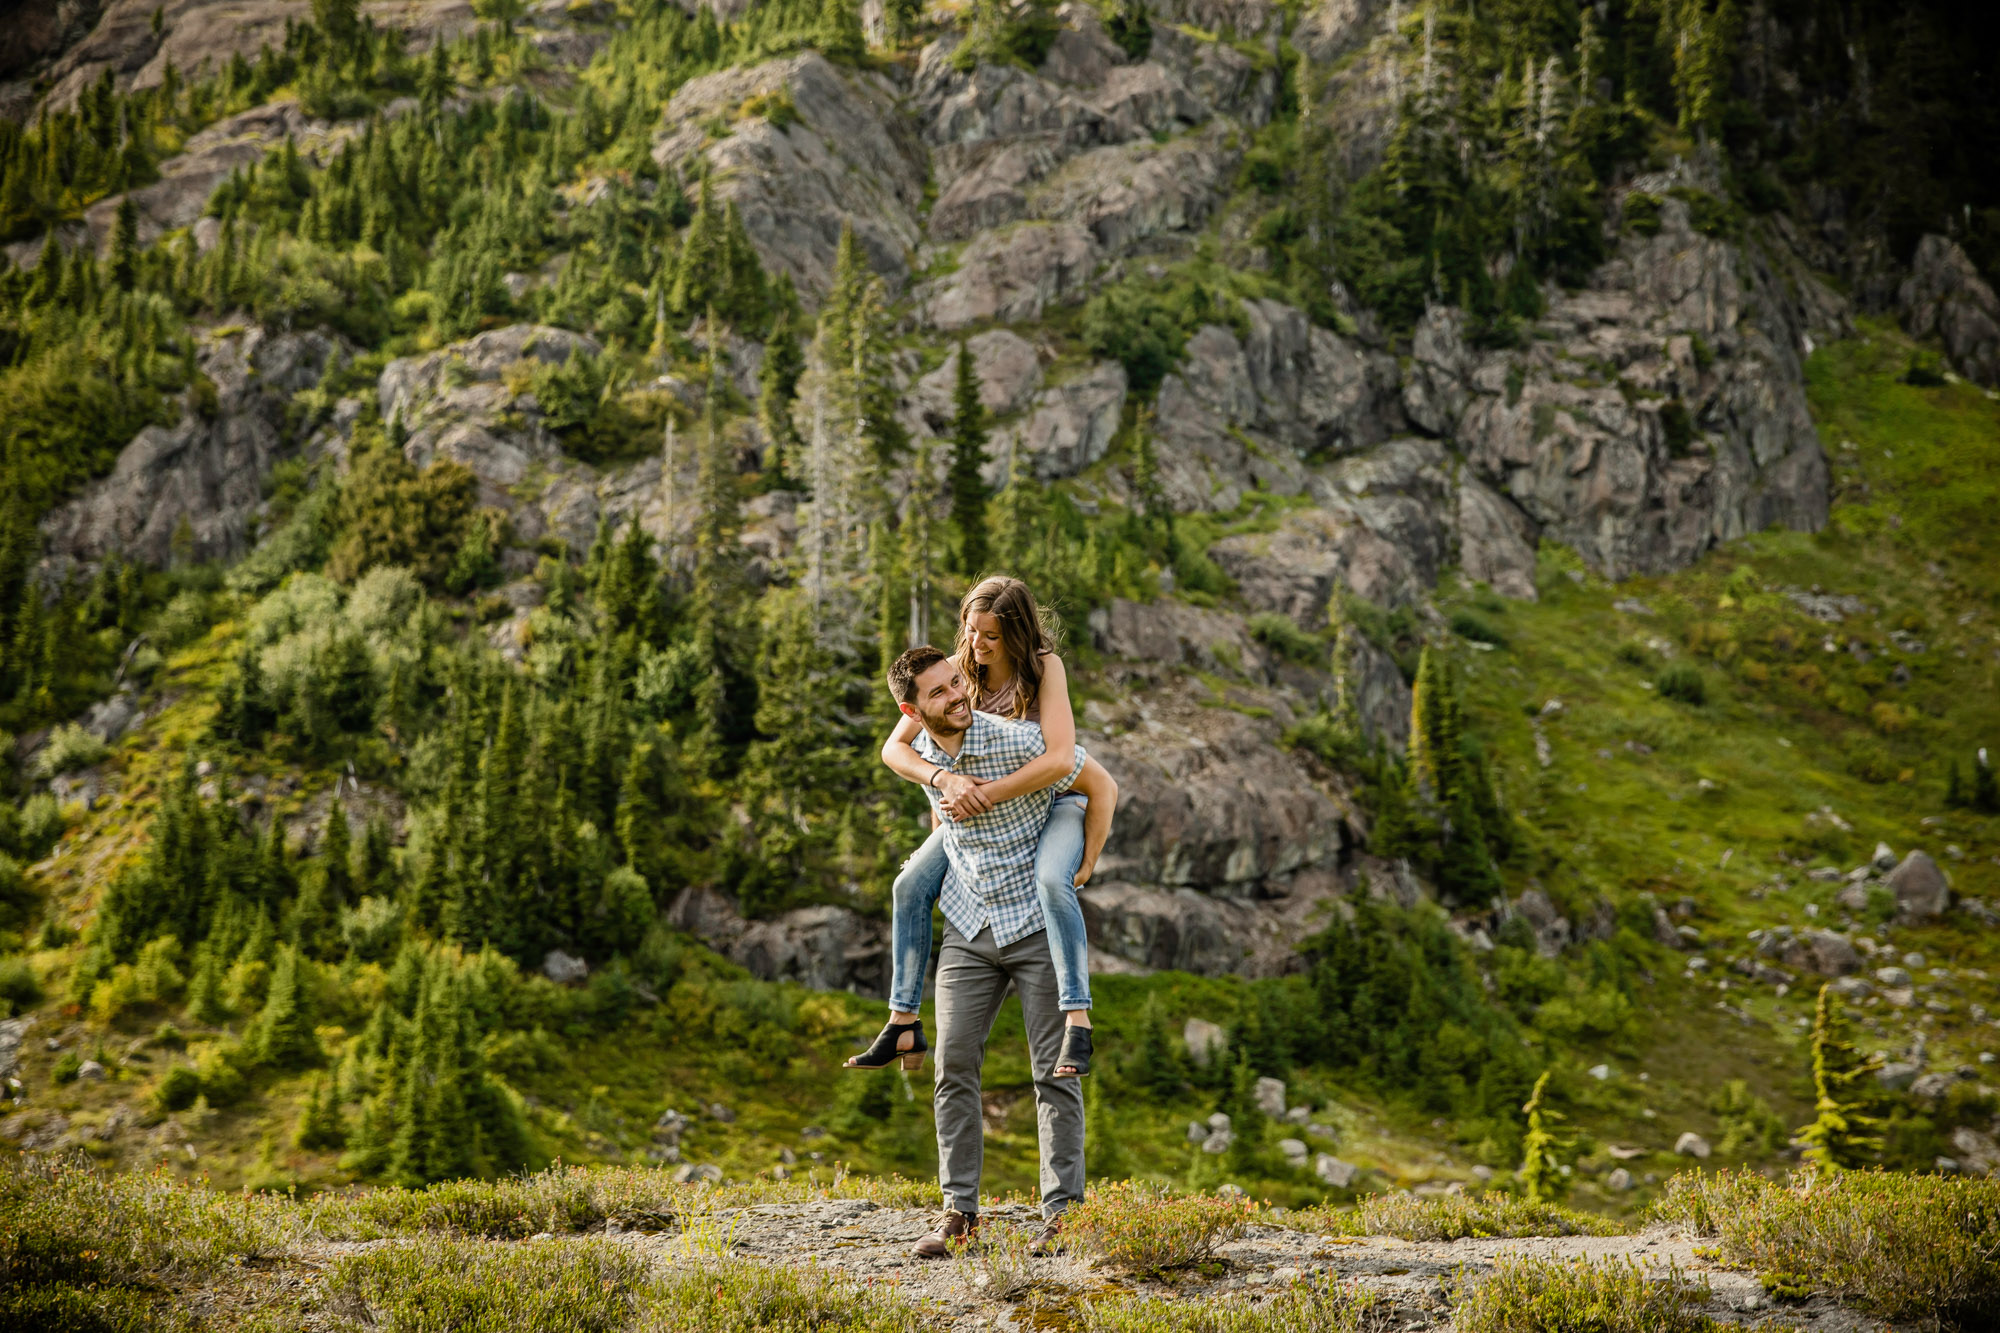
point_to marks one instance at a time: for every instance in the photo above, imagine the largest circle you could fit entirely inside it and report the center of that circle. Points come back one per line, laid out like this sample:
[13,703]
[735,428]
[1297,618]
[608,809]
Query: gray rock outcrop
[206,471]
[825,947]
[1663,412]
[848,159]
[1946,298]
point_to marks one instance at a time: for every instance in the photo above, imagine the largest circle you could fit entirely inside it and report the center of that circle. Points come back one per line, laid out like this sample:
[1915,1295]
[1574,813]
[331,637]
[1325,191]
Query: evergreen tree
[1157,1068]
[1541,1172]
[900,22]
[283,1034]
[839,35]
[965,481]
[1954,786]
[778,388]
[321,1125]
[1838,1136]
[1246,1118]
[1985,788]
[125,245]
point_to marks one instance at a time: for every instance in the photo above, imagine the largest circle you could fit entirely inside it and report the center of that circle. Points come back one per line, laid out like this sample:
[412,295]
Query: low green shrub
[1450,1217]
[436,1283]
[1144,1229]
[595,1286]
[19,989]
[1684,683]
[1468,625]
[1282,635]
[66,1223]
[1530,1295]
[1902,1246]
[69,748]
[1315,1306]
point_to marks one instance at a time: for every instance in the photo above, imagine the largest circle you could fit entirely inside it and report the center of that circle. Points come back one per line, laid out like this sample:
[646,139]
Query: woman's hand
[962,798]
[1083,871]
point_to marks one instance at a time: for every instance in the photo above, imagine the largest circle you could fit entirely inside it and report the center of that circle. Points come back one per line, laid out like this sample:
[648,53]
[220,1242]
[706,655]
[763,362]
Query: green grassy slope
[1643,795]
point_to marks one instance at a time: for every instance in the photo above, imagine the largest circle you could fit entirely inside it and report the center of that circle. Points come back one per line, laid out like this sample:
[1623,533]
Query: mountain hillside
[1517,481]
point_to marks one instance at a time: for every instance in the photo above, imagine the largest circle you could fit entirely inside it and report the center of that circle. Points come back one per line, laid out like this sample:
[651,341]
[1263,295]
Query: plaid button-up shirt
[992,856]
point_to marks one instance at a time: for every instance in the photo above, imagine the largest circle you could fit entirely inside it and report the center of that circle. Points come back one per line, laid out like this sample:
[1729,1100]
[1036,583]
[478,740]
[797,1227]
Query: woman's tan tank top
[1001,702]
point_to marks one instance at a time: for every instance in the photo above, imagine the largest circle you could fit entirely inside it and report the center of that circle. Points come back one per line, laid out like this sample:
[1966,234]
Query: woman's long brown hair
[1024,633]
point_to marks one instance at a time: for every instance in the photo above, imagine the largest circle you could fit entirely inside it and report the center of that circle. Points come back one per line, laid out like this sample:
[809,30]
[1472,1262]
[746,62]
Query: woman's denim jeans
[1057,858]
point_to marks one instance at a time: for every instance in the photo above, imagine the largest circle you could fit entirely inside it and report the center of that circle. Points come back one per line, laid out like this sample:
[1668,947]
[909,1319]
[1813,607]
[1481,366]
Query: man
[994,935]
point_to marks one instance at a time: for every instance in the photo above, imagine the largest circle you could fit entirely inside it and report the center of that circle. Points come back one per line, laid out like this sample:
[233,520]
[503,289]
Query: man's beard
[941,725]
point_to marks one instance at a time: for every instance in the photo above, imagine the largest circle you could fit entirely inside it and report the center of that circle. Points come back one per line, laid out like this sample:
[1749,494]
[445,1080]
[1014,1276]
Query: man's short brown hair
[903,672]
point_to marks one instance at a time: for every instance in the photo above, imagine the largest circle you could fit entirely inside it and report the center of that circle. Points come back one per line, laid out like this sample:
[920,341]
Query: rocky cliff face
[199,482]
[1650,414]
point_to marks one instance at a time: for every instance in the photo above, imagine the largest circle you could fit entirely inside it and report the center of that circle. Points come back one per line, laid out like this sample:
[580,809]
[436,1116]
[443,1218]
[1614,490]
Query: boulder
[1196,1132]
[1692,1144]
[1894,977]
[1204,1040]
[91,1071]
[563,968]
[1218,1141]
[1552,929]
[1920,886]
[1619,1181]
[1822,951]
[1340,1175]
[1270,1098]
[1945,297]
[1977,1151]
[1884,859]
[1295,1151]
[1897,1075]
[207,470]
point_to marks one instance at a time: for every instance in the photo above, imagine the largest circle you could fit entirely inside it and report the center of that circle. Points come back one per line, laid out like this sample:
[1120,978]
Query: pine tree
[900,21]
[283,1034]
[1985,788]
[1838,1136]
[1246,1118]
[839,35]
[1954,786]
[321,1125]
[125,244]
[1157,1067]
[778,388]
[965,480]
[1541,1172]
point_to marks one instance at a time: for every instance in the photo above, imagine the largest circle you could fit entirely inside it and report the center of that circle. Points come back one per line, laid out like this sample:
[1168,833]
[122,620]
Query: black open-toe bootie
[1075,1055]
[887,1049]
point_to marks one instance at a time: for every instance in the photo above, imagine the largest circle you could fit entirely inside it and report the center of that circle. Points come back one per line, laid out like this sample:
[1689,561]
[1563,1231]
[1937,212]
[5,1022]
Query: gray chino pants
[972,978]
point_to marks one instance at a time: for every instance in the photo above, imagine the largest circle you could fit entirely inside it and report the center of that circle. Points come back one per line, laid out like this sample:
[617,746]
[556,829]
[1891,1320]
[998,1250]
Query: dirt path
[872,1243]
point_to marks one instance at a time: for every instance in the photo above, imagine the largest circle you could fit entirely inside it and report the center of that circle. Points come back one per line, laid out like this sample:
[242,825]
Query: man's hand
[961,797]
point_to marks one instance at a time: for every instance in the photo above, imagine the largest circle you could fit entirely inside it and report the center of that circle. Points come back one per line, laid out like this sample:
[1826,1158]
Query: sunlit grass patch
[570,1286]
[1903,1246]
[569,1199]
[1143,1229]
[1450,1217]
[1527,1295]
[64,1222]
[1316,1306]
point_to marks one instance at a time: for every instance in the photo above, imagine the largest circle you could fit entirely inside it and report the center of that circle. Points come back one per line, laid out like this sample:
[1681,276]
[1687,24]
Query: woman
[1011,669]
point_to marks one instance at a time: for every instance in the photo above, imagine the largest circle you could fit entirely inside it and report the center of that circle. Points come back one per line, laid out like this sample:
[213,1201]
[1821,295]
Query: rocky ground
[1416,1279]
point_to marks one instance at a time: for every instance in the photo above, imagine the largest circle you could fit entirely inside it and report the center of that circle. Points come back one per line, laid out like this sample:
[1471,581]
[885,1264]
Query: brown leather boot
[1050,1240]
[954,1231]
